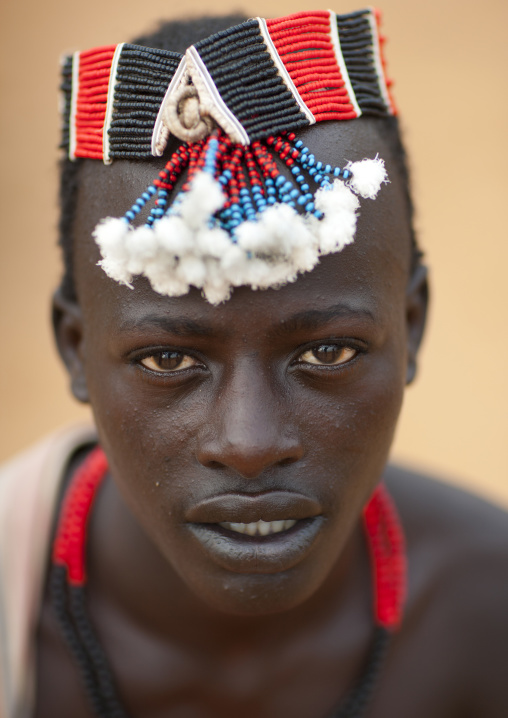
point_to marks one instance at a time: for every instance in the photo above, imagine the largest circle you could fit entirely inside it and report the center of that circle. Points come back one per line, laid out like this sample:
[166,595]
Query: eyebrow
[315,318]
[179,326]
[301,321]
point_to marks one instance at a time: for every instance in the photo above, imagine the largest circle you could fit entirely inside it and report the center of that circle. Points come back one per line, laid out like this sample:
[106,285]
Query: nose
[252,428]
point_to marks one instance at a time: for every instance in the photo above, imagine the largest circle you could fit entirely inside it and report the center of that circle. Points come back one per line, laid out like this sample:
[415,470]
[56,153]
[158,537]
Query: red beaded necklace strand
[384,536]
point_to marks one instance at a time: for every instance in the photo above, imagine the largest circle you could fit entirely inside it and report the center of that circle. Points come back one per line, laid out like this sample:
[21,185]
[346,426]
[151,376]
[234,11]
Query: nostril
[287,461]
[215,465]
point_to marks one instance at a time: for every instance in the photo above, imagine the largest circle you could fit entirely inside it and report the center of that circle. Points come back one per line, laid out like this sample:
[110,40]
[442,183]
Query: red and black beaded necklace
[69,579]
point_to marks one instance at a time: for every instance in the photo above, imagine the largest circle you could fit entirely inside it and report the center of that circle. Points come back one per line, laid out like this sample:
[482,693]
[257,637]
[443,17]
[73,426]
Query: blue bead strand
[138,205]
[211,157]
[322,174]
[160,207]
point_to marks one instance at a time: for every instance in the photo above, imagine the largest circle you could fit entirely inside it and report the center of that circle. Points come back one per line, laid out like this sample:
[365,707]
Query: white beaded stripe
[109,106]
[74,104]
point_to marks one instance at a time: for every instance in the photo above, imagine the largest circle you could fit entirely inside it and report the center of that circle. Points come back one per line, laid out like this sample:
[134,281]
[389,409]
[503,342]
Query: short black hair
[178,35]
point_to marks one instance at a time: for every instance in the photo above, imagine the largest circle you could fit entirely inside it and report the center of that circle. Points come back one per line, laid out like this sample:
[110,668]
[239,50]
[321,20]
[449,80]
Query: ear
[68,329]
[417,302]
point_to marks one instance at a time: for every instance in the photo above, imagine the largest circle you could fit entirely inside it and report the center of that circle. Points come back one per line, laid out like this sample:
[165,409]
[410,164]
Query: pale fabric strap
[29,486]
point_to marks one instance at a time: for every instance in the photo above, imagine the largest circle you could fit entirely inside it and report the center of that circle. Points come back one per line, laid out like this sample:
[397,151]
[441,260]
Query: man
[227,570]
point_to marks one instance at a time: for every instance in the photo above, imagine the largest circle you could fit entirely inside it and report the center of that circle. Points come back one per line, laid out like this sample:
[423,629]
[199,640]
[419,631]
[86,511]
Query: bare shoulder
[458,586]
[447,516]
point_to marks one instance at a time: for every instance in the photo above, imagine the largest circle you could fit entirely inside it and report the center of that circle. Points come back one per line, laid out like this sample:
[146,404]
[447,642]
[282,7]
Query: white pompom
[203,199]
[141,246]
[305,257]
[211,241]
[174,236]
[338,226]
[217,287]
[232,260]
[368,176]
[277,233]
[192,269]
[168,286]
[110,236]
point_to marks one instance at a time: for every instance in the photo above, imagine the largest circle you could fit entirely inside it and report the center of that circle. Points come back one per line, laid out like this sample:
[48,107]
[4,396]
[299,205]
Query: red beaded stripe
[95,52]
[70,542]
[382,525]
[325,70]
[387,549]
[305,46]
[94,95]
[324,115]
[94,73]
[313,55]
[299,19]
[288,38]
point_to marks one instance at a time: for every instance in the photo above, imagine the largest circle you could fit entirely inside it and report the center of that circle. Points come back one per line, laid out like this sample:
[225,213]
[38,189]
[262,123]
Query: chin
[263,577]
[258,594]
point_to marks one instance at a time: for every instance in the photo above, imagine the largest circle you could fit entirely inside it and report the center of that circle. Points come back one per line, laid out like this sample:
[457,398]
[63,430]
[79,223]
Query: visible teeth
[259,528]
[264,528]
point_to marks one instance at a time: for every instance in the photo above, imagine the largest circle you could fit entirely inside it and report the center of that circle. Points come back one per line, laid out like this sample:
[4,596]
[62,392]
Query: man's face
[278,405]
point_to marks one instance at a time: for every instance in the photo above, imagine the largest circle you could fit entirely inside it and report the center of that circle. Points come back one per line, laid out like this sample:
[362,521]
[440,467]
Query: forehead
[375,266]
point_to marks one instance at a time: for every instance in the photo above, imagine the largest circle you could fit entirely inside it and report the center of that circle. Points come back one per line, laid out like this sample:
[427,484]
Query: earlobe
[68,330]
[417,301]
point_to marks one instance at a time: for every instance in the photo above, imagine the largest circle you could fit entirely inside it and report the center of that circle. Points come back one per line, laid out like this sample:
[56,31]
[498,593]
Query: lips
[256,533]
[250,508]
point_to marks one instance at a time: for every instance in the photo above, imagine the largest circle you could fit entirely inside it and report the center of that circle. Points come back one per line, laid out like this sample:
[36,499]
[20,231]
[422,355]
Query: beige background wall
[449,60]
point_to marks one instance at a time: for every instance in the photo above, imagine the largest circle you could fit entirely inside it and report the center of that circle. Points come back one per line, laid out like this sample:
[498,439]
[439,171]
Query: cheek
[352,427]
[150,450]
[146,431]
[148,434]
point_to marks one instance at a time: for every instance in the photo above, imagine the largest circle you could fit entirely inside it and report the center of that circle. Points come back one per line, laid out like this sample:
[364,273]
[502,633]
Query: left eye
[167,362]
[328,355]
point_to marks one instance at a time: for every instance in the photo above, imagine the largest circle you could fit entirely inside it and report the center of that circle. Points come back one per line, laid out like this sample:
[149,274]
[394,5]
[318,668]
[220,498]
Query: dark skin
[276,404]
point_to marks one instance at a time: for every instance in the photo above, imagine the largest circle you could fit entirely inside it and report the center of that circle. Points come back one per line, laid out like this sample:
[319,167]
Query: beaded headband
[235,100]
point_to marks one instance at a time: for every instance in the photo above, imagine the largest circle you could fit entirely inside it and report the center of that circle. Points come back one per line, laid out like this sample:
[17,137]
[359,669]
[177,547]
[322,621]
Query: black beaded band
[142,78]
[361,693]
[258,96]
[66,94]
[358,49]
[69,603]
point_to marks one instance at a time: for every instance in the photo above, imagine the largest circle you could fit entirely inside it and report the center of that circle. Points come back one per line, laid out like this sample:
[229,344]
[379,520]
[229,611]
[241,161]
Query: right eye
[329,355]
[168,362]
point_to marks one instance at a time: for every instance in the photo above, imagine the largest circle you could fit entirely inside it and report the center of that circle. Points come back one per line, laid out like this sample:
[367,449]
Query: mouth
[261,533]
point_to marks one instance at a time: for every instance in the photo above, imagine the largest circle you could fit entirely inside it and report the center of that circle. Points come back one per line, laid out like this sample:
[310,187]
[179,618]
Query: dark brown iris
[167,361]
[328,353]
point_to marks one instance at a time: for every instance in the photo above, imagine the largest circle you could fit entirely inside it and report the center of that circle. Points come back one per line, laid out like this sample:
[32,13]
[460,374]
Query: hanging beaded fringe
[237,220]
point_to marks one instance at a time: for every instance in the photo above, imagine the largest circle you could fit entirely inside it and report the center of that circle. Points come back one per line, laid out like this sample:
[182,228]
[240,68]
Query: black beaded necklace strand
[68,591]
